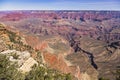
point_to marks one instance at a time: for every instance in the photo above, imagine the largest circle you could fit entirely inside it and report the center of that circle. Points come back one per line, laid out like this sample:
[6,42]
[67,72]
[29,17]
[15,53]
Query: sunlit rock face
[23,59]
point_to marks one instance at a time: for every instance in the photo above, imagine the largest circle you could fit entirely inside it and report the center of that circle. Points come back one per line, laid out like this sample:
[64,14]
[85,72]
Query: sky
[59,5]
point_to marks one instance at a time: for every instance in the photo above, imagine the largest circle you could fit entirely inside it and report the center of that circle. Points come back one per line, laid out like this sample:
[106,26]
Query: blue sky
[60,5]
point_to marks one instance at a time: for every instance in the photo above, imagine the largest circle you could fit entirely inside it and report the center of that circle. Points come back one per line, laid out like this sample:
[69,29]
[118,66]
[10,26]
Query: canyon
[85,44]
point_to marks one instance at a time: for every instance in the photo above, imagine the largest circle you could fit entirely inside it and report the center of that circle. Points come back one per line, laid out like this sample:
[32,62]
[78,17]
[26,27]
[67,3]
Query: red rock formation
[53,59]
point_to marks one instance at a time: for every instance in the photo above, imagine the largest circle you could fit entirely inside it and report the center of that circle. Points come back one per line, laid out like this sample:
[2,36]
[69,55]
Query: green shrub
[103,78]
[42,73]
[8,70]
[15,56]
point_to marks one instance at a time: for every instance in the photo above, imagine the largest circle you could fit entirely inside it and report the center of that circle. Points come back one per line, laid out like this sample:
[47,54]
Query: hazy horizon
[59,5]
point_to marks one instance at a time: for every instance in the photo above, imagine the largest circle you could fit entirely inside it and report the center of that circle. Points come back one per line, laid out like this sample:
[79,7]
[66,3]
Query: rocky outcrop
[28,64]
[23,59]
